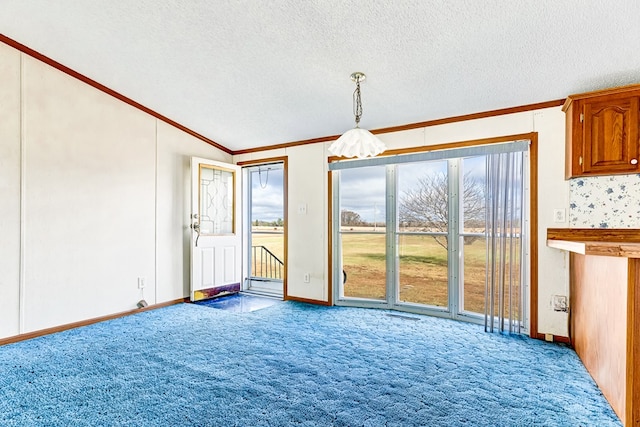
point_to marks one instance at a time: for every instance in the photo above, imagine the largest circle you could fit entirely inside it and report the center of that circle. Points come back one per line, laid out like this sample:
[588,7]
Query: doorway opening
[265,271]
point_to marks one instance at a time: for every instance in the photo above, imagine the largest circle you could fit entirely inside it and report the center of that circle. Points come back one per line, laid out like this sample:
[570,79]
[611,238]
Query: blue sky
[362,190]
[268,202]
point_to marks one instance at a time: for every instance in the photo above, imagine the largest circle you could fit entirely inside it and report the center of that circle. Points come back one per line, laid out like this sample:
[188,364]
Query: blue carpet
[293,364]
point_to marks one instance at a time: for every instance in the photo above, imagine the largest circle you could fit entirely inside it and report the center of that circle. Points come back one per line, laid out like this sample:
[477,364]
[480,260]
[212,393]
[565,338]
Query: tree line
[277,223]
[425,207]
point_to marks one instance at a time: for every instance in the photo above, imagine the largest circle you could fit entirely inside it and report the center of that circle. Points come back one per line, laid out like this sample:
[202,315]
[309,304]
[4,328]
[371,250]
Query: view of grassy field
[422,268]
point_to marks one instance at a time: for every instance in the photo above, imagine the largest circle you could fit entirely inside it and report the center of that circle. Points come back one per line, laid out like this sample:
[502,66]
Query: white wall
[104,191]
[105,188]
[308,234]
[553,193]
[9,189]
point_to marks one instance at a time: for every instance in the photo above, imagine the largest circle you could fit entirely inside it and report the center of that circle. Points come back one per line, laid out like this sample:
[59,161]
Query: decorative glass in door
[216,202]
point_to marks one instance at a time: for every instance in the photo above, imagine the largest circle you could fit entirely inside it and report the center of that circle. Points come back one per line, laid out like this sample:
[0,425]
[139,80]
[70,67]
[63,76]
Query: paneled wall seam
[21,279]
[155,219]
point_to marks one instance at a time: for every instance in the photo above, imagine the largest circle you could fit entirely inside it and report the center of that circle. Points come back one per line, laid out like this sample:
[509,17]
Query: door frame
[245,236]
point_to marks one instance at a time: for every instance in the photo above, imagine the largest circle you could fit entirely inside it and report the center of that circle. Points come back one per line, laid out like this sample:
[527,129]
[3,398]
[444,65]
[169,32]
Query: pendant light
[357,142]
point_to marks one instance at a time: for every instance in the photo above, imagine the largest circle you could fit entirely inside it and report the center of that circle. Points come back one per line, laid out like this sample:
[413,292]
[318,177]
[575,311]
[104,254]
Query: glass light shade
[357,143]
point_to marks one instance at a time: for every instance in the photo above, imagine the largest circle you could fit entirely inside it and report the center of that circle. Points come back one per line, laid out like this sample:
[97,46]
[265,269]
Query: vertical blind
[505,242]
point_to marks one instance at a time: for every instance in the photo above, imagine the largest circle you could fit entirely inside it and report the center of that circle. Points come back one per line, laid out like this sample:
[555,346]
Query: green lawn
[423,269]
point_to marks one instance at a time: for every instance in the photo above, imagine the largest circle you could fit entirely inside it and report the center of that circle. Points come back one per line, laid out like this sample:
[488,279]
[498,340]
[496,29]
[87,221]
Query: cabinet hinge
[581,117]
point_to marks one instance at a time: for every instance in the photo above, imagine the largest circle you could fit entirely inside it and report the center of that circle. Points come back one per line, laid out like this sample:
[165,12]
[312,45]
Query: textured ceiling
[251,73]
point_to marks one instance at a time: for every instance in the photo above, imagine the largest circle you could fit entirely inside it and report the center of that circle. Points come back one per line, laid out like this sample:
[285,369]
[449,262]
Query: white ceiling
[251,73]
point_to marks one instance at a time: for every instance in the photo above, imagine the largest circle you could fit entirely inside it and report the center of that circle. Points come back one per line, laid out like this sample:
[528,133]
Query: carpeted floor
[293,364]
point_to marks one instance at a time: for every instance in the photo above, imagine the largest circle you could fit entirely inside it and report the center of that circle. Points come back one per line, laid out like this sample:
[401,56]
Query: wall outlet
[307,278]
[141,282]
[560,303]
[302,209]
[559,215]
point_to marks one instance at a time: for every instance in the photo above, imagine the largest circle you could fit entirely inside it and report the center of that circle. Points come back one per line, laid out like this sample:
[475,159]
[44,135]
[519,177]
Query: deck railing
[265,264]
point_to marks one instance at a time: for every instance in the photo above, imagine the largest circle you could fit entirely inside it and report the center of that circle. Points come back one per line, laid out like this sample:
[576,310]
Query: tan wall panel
[307,233]
[90,200]
[9,190]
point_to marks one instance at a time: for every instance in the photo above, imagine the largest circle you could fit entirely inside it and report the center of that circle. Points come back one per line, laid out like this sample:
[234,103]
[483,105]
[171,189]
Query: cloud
[267,195]
[362,190]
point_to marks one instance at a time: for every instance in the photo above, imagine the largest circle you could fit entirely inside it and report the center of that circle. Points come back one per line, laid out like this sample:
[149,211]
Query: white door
[216,235]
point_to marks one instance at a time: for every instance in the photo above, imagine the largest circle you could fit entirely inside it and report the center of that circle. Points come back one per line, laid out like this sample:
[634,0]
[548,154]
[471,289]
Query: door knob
[634,161]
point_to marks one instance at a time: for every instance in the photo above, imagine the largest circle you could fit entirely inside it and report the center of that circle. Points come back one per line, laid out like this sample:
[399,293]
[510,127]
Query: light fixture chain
[357,103]
[357,142]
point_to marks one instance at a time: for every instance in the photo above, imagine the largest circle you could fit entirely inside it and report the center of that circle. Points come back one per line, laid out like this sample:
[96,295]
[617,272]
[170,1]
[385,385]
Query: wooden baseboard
[53,330]
[555,338]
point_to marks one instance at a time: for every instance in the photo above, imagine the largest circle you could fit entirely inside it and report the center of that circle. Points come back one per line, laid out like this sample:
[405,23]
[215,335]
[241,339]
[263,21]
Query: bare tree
[426,205]
[350,218]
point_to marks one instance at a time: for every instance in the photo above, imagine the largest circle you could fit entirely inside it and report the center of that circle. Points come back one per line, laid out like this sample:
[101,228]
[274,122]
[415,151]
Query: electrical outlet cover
[560,303]
[559,215]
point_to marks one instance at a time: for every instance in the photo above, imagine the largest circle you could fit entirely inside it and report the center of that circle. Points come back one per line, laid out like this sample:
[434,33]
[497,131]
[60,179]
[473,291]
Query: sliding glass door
[413,233]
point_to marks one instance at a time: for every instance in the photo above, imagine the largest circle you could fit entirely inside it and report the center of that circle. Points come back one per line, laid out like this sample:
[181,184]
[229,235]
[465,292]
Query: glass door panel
[363,232]
[473,271]
[363,263]
[423,270]
[473,257]
[423,233]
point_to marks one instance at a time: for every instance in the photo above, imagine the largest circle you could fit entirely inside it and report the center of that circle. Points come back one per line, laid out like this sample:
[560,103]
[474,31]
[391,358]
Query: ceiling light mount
[358,77]
[357,142]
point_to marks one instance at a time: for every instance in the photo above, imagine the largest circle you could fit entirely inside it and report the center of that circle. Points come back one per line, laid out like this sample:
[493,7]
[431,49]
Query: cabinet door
[610,136]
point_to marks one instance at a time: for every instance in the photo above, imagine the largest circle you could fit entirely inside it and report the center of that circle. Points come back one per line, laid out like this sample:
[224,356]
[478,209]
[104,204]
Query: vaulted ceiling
[252,73]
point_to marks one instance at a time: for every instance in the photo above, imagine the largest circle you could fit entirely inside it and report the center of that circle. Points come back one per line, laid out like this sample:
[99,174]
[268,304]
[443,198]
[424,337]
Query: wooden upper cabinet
[602,132]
